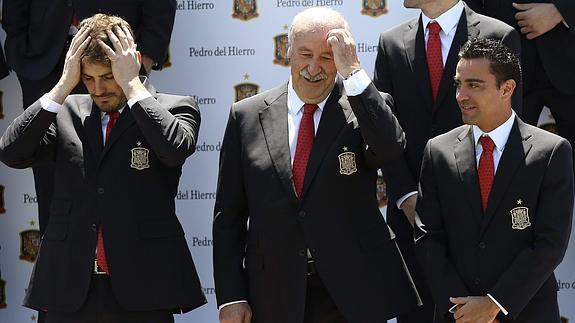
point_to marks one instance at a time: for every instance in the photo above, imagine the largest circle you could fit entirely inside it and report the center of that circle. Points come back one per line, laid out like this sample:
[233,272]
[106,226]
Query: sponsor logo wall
[221,52]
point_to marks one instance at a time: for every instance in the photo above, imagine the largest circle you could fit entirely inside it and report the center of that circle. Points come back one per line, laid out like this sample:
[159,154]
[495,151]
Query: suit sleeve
[567,10]
[173,132]
[399,178]
[552,227]
[230,220]
[29,139]
[156,29]
[381,132]
[431,240]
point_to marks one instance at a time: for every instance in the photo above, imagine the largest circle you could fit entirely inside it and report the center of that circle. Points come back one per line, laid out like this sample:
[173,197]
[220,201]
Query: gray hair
[316,18]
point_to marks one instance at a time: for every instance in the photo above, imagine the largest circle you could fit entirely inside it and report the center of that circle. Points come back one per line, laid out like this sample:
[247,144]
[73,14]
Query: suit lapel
[466,166]
[124,122]
[93,126]
[516,148]
[273,119]
[414,41]
[334,116]
[466,29]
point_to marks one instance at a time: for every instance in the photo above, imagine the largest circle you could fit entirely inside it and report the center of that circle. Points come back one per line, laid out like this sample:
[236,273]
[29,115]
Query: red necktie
[100,253]
[486,169]
[305,137]
[434,58]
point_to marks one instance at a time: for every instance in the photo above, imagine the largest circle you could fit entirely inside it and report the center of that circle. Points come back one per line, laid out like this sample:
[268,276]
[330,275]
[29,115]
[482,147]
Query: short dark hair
[98,24]
[504,64]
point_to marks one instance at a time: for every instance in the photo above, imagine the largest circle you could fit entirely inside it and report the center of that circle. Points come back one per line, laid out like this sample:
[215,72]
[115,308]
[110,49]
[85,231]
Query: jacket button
[301,214]
[482,245]
[302,253]
[477,281]
[94,227]
[100,190]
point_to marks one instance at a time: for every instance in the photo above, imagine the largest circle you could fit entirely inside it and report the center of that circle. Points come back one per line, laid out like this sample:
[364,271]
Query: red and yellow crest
[374,8]
[245,9]
[29,244]
[281,50]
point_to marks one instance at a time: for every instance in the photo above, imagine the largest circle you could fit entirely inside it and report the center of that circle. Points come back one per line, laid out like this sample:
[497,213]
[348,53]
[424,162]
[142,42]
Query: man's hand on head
[344,51]
[72,67]
[125,60]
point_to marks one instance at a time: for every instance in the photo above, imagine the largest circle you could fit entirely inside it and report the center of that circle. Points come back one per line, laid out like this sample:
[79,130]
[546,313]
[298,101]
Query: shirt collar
[499,135]
[295,104]
[103,114]
[447,20]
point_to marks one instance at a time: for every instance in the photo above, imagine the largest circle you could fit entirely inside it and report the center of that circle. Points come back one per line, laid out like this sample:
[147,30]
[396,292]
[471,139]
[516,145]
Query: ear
[508,88]
[139,57]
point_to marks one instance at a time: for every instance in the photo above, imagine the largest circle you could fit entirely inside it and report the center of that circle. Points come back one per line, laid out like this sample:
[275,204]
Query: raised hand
[72,66]
[344,51]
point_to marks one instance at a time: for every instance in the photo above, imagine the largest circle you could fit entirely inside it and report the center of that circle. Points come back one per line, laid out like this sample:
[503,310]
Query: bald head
[315,19]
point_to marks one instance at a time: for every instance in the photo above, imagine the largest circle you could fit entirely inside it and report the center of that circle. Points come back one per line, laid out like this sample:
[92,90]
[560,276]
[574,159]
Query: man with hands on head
[495,203]
[113,249]
[299,163]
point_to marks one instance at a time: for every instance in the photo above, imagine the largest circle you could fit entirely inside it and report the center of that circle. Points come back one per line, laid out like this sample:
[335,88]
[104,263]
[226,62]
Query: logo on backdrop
[2,208]
[281,49]
[564,320]
[2,294]
[381,190]
[1,105]
[29,244]
[245,9]
[245,89]
[374,8]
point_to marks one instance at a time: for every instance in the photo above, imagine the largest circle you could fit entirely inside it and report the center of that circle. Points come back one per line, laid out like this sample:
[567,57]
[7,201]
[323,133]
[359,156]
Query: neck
[437,8]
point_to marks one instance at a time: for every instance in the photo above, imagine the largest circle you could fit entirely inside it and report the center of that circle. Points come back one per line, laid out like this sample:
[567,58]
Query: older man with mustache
[299,163]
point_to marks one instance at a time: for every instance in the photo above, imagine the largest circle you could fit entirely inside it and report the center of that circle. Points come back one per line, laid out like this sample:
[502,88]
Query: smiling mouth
[467,108]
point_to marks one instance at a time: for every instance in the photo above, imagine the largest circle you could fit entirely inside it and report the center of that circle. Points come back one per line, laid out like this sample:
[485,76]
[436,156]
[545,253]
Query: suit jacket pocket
[160,229]
[56,231]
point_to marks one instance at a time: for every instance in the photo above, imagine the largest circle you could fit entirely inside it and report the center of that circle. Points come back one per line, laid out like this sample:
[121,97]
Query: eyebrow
[469,80]
[103,75]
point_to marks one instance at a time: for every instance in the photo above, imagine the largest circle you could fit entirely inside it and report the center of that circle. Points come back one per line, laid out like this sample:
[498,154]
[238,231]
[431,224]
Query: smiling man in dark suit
[425,103]
[495,201]
[316,248]
[114,250]
[547,55]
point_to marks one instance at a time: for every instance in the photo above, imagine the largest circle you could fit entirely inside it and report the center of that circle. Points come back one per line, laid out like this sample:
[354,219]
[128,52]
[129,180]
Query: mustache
[313,78]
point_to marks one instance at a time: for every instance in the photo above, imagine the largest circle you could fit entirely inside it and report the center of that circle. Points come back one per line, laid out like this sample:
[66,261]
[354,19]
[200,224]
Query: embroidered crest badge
[374,8]
[520,218]
[245,9]
[29,244]
[347,165]
[140,159]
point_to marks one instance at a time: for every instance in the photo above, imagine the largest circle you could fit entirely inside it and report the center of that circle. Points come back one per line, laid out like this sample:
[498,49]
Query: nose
[99,87]
[460,94]
[314,67]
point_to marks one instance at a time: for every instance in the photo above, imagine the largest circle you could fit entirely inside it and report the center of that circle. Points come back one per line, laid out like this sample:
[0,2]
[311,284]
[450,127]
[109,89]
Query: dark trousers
[101,306]
[319,306]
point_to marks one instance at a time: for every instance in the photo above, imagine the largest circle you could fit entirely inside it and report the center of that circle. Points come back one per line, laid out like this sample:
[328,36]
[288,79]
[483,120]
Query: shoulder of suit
[452,135]
[397,32]
[490,23]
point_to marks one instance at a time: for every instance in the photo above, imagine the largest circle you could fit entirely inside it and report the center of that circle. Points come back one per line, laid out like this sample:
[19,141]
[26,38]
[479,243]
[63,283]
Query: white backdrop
[211,53]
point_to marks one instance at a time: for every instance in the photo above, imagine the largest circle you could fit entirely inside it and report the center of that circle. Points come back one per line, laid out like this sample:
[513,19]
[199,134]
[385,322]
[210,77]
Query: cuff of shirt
[231,303]
[503,310]
[48,104]
[403,198]
[356,83]
[138,98]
